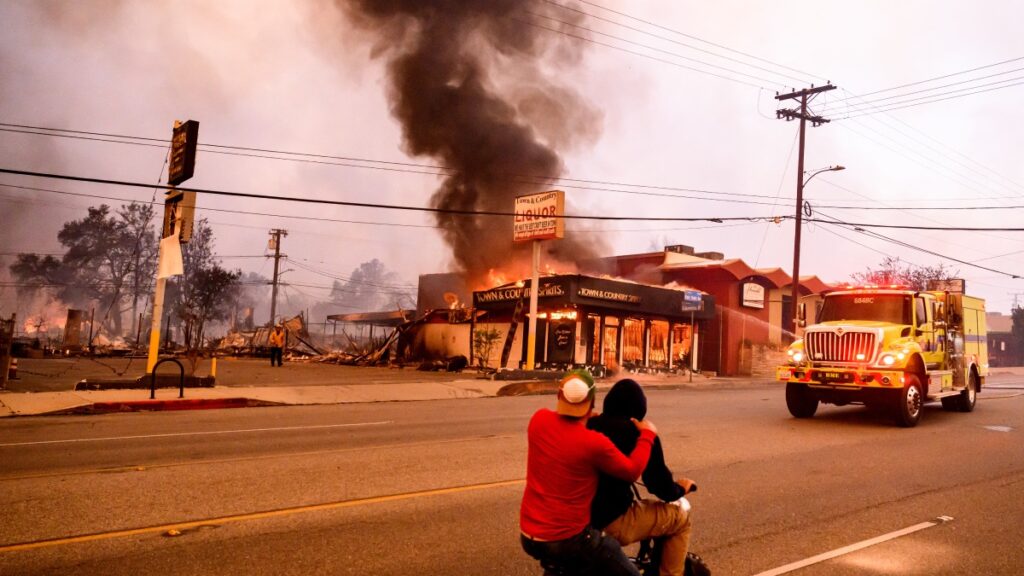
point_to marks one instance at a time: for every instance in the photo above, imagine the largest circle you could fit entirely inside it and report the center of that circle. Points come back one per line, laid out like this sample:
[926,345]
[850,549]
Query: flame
[496,278]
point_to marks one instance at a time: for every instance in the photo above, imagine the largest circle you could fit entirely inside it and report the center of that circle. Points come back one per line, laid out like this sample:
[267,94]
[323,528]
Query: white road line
[175,434]
[854,547]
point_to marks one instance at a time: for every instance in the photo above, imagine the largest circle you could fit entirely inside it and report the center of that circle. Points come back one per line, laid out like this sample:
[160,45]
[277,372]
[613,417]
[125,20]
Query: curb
[527,388]
[167,405]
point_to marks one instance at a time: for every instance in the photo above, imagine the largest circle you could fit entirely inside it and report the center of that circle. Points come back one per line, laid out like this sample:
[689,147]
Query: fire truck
[891,348]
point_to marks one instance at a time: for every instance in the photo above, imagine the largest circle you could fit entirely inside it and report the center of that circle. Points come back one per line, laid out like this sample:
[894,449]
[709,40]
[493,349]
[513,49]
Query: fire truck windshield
[891,308]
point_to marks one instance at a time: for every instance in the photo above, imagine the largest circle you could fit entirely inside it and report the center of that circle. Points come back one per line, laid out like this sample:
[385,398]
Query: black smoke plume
[470,82]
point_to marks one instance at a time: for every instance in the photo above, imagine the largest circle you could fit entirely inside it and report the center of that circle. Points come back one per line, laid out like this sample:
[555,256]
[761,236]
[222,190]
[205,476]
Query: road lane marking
[212,432]
[854,547]
[183,526]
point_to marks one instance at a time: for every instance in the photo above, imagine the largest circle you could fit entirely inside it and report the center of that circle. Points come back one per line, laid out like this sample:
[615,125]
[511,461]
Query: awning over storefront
[390,318]
[577,290]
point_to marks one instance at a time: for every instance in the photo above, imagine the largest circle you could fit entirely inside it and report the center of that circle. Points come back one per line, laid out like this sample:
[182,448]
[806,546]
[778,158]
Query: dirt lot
[50,375]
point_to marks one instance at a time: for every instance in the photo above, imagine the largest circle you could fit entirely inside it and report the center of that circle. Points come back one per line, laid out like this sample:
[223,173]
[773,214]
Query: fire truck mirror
[939,314]
[801,313]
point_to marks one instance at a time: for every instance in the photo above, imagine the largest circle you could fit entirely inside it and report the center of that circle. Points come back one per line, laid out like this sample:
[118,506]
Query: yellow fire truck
[893,348]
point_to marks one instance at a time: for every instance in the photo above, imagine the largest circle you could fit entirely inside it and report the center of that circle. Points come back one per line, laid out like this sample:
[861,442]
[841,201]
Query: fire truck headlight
[798,356]
[888,359]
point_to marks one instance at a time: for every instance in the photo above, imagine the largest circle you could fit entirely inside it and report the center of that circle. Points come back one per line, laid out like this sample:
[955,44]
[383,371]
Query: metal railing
[152,379]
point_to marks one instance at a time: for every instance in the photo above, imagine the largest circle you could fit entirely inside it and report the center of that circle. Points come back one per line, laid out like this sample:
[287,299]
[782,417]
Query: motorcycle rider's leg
[590,553]
[655,519]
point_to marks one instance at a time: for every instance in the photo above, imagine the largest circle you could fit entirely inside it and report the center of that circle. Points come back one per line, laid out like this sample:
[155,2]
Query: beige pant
[656,519]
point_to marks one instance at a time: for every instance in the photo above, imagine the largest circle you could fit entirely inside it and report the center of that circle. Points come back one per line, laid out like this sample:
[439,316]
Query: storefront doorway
[610,345]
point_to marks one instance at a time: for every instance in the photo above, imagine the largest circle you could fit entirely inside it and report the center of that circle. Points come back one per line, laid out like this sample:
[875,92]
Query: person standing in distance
[564,461]
[277,338]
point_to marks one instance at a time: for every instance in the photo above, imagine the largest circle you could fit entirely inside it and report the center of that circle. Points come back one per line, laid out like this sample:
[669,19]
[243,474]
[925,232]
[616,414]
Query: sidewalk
[97,401]
[414,388]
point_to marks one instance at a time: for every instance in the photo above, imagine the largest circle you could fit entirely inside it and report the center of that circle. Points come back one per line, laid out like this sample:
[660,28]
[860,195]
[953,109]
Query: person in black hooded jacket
[614,508]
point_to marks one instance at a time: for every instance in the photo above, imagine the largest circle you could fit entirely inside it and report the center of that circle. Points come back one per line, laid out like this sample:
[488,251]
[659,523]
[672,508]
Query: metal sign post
[179,207]
[538,217]
[531,335]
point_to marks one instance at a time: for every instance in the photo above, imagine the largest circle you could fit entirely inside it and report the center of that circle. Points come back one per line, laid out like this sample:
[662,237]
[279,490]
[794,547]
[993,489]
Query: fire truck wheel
[968,396]
[800,401]
[908,409]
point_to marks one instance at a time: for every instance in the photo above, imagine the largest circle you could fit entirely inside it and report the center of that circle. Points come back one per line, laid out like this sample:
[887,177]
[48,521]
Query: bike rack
[152,379]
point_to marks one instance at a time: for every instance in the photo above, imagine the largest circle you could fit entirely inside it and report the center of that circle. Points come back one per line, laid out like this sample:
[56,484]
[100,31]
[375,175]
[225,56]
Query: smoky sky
[471,83]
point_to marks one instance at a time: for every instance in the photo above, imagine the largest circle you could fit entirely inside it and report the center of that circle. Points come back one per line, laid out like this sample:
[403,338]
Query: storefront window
[594,327]
[633,342]
[659,344]
[611,351]
[681,345]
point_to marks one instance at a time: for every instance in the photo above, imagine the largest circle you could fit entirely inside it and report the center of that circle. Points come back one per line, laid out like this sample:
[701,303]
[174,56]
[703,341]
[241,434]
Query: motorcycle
[646,559]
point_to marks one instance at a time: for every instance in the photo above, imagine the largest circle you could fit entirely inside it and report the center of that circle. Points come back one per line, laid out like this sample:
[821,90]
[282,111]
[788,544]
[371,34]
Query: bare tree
[109,258]
[893,271]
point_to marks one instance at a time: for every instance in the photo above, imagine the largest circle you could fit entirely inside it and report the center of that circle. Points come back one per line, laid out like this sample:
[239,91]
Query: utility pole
[804,96]
[275,243]
[1015,299]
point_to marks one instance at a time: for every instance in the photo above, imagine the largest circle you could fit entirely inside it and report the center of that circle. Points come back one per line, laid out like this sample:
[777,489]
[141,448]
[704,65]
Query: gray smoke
[469,82]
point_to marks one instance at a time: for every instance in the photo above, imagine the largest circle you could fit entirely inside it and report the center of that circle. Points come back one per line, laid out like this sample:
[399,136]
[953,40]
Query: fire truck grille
[846,347]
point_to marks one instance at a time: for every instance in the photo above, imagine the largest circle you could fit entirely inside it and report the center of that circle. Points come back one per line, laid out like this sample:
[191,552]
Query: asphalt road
[433,487]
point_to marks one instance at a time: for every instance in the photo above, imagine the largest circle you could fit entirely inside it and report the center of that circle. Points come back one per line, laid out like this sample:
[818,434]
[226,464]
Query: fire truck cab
[892,348]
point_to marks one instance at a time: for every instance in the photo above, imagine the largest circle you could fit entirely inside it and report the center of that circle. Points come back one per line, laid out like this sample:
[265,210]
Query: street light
[801,182]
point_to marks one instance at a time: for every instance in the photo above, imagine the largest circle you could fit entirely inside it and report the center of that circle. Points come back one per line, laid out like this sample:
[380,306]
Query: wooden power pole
[275,241]
[801,113]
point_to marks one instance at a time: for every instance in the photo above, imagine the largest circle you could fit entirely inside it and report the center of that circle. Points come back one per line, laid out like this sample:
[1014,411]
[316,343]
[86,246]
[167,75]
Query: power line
[646,47]
[943,77]
[492,212]
[344,221]
[346,162]
[943,165]
[692,37]
[635,53]
[666,39]
[319,201]
[246,212]
[895,105]
[918,158]
[857,228]
[907,227]
[860,106]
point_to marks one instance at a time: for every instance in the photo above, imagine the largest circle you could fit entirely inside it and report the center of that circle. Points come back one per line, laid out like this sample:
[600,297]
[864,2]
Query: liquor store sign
[539,216]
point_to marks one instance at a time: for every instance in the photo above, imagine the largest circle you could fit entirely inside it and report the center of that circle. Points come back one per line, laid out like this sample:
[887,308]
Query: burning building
[602,323]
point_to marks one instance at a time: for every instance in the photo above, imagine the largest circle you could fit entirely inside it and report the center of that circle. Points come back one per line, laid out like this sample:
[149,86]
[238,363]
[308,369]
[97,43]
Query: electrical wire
[857,228]
[319,201]
[346,161]
[685,35]
[943,77]
[634,52]
[647,47]
[930,100]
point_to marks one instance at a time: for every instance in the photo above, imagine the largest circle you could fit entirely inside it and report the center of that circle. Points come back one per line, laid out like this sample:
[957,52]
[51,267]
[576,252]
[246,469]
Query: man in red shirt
[562,467]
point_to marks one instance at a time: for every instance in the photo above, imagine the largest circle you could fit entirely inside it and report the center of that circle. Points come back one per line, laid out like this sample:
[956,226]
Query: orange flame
[496,278]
